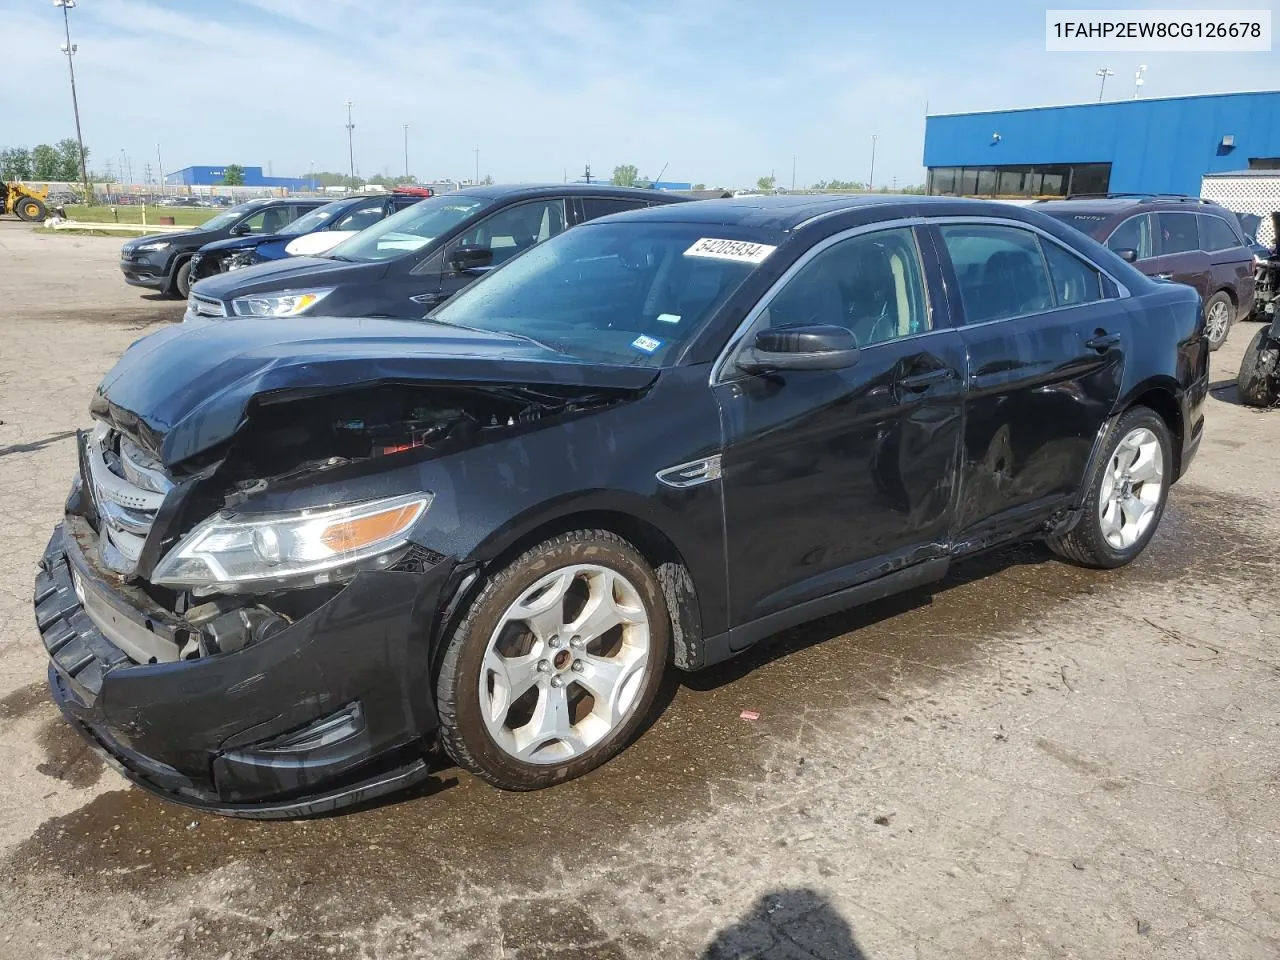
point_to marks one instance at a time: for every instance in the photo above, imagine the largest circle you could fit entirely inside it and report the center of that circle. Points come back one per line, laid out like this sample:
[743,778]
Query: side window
[517,228]
[1000,271]
[1178,232]
[1216,234]
[593,207]
[1133,234]
[872,284]
[364,215]
[267,221]
[1074,281]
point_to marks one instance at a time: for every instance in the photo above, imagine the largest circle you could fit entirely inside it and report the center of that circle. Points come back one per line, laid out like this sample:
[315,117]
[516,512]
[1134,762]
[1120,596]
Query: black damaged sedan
[302,556]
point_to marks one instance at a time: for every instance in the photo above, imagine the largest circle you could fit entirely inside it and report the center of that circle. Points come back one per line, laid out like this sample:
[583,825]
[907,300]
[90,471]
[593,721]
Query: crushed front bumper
[334,709]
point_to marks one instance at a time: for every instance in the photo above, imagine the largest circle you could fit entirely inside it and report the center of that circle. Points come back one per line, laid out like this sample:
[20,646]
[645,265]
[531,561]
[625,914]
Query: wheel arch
[629,521]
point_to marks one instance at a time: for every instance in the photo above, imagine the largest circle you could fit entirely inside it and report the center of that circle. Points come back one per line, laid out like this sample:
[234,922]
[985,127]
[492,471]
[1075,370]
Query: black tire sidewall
[1090,528]
[182,278]
[464,734]
[1222,297]
[1252,385]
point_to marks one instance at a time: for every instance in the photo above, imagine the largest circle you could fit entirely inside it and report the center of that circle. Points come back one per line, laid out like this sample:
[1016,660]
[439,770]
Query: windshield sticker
[668,318]
[646,344]
[740,251]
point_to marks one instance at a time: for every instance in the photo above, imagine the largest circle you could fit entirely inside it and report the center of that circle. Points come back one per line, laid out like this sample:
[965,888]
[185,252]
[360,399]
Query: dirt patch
[67,756]
[25,700]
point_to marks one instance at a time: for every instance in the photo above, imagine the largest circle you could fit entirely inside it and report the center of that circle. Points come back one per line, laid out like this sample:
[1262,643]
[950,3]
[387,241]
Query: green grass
[182,216]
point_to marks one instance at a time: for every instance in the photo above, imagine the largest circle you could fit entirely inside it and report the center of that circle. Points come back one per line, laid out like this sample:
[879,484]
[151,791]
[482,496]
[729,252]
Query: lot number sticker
[647,344]
[740,251]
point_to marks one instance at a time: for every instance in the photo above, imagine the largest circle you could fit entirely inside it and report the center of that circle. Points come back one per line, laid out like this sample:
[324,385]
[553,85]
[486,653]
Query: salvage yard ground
[1030,761]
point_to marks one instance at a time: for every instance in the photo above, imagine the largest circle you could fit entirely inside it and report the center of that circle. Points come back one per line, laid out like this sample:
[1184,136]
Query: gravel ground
[1029,760]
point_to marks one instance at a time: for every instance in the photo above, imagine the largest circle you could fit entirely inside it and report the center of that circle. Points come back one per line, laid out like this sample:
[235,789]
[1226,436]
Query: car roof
[508,191]
[788,211]
[1117,204]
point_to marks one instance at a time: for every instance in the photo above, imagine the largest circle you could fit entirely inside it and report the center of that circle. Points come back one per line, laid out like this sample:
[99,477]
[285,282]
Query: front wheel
[1219,311]
[182,280]
[1127,494]
[1256,381]
[30,209]
[557,663]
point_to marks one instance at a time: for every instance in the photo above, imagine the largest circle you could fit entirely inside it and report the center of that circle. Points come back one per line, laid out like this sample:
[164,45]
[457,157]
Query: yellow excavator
[27,203]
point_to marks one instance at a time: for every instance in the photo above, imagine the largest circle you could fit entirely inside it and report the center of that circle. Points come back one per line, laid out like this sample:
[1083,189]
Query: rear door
[1230,261]
[588,208]
[1181,256]
[1045,335]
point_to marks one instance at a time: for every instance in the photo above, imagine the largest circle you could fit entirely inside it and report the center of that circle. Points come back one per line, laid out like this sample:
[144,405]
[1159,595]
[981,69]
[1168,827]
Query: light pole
[1103,72]
[406,151]
[793,173]
[1138,81]
[351,150]
[69,49]
[872,179]
[477,179]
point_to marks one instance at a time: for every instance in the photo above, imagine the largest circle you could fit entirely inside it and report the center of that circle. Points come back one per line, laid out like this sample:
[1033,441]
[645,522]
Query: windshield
[313,220]
[410,229]
[623,292]
[1087,223]
[228,217]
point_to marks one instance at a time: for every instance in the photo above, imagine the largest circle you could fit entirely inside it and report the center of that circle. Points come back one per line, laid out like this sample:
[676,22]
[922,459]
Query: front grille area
[128,486]
[205,306]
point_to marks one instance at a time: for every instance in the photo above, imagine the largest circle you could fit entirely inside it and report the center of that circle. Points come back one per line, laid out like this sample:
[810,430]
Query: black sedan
[299,558]
[416,259]
[162,261]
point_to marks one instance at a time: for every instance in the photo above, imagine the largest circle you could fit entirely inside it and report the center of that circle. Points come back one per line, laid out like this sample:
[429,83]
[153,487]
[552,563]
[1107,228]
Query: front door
[1045,336]
[834,477]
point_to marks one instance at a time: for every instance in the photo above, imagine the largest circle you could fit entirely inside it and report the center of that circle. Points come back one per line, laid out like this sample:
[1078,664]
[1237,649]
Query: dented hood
[186,389]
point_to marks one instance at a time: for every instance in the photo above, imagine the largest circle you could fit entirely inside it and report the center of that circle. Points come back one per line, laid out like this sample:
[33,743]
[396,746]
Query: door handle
[1164,276]
[428,299]
[919,382]
[1102,341]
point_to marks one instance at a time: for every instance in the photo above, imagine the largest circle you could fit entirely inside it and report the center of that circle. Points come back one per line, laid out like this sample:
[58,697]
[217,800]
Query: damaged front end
[230,642]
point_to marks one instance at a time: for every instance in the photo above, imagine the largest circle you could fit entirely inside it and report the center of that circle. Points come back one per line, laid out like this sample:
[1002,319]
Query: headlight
[152,247]
[285,305]
[241,258]
[229,554]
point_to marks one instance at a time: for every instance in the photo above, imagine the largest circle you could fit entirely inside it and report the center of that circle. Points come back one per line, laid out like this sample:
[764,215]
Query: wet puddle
[436,843]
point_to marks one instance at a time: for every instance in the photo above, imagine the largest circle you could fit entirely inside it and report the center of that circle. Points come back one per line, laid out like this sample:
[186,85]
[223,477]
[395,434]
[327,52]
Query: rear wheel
[1127,496]
[556,664]
[1256,381]
[182,280]
[30,209]
[1219,311]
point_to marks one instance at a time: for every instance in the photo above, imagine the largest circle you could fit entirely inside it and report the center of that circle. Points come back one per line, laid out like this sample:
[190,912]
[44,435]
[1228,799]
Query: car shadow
[785,925]
[36,444]
[787,642]
[1226,391]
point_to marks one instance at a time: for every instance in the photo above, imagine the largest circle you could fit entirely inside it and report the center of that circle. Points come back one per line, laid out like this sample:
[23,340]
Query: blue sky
[717,91]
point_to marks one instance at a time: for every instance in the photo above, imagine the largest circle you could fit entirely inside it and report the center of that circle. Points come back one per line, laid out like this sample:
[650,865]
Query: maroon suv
[1184,239]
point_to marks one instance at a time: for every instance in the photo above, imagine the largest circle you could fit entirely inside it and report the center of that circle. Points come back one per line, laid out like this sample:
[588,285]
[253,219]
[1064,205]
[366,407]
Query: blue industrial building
[1130,146]
[253,177]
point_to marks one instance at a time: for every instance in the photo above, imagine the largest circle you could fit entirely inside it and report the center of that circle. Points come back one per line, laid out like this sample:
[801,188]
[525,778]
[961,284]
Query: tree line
[628,175]
[42,162]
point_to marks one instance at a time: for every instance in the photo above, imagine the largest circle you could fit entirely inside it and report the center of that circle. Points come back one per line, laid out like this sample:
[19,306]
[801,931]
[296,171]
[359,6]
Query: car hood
[292,274]
[318,242]
[183,237]
[187,389]
[236,243]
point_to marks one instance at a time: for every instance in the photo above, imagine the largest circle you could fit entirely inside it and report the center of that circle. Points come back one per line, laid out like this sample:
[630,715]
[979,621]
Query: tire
[182,280]
[1219,314]
[30,209]
[509,740]
[1256,382]
[1096,542]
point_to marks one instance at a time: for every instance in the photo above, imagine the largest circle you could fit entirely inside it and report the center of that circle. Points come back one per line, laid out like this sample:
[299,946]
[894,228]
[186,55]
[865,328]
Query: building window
[1264,163]
[1020,180]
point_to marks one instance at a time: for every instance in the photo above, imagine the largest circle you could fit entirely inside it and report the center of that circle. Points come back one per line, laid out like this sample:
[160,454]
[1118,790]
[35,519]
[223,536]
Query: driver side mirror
[241,229]
[815,347]
[470,259]
[1127,254]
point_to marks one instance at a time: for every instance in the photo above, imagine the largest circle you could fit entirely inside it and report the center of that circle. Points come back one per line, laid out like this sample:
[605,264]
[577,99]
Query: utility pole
[406,151]
[160,165]
[1138,81]
[69,49]
[1103,72]
[477,179]
[793,171]
[351,150]
[872,178]
[587,173]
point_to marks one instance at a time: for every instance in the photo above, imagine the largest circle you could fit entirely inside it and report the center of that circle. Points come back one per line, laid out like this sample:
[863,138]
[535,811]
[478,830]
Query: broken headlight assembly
[283,305]
[229,553]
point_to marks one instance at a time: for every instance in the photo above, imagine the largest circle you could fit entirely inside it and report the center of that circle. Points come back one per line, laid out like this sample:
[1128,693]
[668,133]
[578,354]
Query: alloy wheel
[565,664]
[1215,324]
[1132,486]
